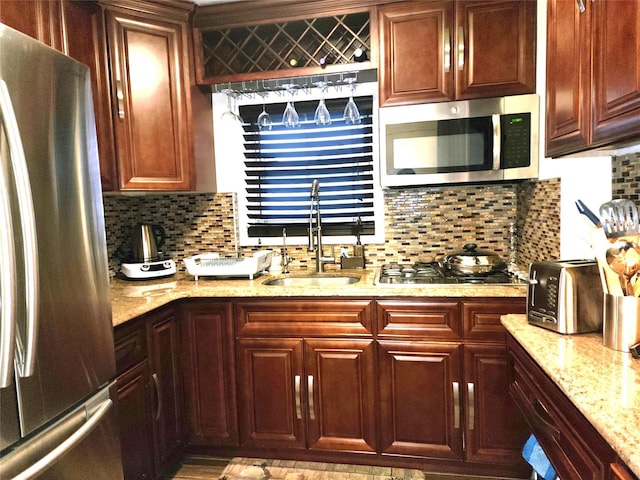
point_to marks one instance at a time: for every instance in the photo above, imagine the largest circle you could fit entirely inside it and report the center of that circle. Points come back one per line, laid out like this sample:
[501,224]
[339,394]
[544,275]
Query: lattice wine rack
[229,53]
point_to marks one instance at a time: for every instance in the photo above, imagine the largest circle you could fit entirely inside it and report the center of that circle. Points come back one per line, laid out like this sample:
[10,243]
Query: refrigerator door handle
[7,280]
[26,353]
[97,415]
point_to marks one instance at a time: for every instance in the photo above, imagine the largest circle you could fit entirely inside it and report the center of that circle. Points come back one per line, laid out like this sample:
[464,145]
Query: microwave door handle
[7,278]
[26,354]
[497,135]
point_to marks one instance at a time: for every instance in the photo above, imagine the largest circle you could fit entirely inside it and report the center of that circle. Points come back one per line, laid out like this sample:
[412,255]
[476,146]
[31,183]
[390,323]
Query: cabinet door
[149,61]
[340,391]
[494,48]
[416,62]
[271,400]
[164,344]
[616,70]
[420,404]
[568,77]
[85,41]
[134,416]
[495,429]
[39,19]
[209,373]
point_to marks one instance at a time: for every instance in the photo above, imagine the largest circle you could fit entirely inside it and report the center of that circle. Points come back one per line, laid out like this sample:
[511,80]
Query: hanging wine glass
[322,115]
[264,119]
[351,112]
[290,117]
[230,113]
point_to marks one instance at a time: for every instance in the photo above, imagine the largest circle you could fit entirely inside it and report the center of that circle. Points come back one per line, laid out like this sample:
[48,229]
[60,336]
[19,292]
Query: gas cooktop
[420,274]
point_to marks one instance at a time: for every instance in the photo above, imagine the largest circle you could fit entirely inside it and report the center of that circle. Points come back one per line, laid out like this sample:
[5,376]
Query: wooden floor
[210,468]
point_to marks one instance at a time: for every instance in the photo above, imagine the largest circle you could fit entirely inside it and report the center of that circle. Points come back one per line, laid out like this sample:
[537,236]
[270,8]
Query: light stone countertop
[602,383]
[130,299]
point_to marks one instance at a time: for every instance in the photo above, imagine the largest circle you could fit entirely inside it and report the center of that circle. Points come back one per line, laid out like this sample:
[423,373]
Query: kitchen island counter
[130,299]
[602,383]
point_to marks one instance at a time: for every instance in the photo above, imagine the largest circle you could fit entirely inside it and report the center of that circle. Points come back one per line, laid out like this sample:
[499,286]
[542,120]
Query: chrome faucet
[285,256]
[315,232]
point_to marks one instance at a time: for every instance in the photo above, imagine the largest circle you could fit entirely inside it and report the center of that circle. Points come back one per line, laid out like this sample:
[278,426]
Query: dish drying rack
[211,265]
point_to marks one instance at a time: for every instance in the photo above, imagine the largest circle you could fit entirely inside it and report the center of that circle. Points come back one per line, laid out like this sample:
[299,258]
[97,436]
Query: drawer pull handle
[542,414]
[297,394]
[312,410]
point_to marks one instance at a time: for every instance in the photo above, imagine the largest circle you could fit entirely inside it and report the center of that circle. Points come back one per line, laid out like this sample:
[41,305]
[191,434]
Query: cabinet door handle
[581,6]
[297,395]
[156,382]
[120,98]
[460,48]
[312,410]
[456,405]
[472,406]
[447,50]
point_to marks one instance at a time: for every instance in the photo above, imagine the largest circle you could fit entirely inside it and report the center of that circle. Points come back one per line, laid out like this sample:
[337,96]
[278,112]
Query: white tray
[211,265]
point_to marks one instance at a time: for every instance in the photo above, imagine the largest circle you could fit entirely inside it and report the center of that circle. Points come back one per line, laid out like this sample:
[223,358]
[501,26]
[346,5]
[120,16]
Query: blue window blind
[281,164]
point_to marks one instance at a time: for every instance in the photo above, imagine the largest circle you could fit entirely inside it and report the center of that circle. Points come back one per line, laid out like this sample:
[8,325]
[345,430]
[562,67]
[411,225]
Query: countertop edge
[131,299]
[602,383]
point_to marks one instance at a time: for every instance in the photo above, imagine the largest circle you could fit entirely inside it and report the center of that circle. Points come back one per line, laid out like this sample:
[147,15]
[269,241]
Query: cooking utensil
[610,280]
[624,258]
[619,218]
[584,210]
[470,261]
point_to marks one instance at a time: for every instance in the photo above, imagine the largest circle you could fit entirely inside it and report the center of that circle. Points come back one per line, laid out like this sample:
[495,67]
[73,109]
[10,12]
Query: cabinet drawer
[303,318]
[481,319]
[575,448]
[430,319]
[130,346]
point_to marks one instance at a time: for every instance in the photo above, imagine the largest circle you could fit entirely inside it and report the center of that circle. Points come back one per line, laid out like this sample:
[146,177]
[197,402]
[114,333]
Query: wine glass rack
[244,51]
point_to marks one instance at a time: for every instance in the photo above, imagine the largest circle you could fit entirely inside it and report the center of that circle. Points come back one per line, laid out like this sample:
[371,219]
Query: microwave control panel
[516,140]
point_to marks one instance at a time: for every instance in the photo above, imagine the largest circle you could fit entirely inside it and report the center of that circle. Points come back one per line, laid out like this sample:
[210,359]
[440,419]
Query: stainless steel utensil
[619,218]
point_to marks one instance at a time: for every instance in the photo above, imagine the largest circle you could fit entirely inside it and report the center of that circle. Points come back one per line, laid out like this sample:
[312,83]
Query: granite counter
[130,299]
[602,383]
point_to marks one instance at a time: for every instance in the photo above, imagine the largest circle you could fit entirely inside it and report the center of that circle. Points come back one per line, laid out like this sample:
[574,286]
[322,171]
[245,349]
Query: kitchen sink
[312,281]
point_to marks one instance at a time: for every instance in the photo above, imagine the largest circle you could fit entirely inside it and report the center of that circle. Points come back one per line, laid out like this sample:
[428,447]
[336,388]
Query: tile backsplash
[426,222]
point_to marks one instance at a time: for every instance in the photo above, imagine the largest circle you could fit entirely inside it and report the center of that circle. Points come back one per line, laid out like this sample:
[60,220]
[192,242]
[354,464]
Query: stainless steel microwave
[484,140]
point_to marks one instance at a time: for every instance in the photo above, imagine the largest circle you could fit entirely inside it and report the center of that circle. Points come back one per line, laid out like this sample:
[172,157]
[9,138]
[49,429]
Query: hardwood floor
[194,467]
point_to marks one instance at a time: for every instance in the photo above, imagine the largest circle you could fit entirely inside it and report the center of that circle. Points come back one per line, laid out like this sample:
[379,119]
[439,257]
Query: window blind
[281,164]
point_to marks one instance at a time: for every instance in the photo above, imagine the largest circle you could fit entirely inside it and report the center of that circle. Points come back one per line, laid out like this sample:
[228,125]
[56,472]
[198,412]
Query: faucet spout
[315,231]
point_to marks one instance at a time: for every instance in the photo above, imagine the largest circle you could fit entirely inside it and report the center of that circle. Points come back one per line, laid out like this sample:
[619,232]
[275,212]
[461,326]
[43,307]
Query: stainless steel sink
[312,281]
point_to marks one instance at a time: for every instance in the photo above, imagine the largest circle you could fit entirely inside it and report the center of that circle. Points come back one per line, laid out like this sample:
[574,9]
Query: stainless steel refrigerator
[57,366]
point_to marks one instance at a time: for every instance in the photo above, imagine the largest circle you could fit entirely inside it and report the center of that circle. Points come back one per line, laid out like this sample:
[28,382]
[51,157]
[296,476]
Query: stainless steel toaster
[565,296]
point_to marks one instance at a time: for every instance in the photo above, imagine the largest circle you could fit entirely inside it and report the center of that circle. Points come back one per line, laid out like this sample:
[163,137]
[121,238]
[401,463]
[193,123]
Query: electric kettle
[145,241]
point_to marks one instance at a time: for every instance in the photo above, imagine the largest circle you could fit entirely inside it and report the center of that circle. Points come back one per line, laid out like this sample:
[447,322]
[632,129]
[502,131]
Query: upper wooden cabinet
[258,40]
[40,19]
[434,51]
[593,74]
[149,82]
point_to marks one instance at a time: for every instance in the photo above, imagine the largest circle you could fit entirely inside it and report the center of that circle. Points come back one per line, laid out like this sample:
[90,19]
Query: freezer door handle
[26,354]
[7,276]
[89,420]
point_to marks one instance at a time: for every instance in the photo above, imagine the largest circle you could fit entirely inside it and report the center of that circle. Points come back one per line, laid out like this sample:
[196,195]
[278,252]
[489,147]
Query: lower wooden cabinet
[420,414]
[136,433]
[150,406]
[210,373]
[316,394]
[574,447]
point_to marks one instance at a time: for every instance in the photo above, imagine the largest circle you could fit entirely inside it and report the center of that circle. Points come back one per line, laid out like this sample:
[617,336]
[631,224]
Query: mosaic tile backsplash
[424,222]
[626,177]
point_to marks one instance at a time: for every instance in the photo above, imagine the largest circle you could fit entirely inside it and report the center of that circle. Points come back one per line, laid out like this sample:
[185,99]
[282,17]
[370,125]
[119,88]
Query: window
[279,165]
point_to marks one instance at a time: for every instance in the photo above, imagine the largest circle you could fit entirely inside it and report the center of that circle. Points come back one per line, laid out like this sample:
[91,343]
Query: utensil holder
[621,326]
